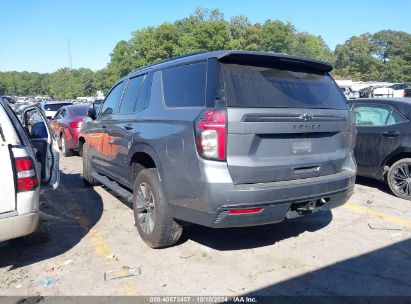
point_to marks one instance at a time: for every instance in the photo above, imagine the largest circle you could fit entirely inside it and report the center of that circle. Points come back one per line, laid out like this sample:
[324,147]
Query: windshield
[264,87]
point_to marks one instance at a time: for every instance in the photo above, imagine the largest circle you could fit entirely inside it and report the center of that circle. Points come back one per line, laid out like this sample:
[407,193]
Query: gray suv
[222,139]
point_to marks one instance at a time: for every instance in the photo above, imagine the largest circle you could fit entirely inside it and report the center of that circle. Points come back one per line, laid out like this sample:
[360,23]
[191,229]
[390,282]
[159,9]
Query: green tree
[355,59]
[277,36]
[385,55]
[307,45]
[389,44]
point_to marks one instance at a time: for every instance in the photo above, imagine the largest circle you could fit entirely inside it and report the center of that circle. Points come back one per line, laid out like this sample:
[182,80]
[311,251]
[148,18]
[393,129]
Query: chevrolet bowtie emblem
[306,117]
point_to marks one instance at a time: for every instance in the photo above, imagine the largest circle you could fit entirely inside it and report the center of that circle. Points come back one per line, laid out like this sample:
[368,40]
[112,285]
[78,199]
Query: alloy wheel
[146,200]
[402,180]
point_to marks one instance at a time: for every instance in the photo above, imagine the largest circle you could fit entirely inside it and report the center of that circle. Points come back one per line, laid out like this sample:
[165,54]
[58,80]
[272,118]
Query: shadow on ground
[383,272]
[254,237]
[67,213]
[373,183]
[248,237]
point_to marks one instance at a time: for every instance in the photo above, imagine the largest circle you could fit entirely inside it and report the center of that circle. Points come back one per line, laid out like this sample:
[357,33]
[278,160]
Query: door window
[111,102]
[144,96]
[131,94]
[35,124]
[58,115]
[63,113]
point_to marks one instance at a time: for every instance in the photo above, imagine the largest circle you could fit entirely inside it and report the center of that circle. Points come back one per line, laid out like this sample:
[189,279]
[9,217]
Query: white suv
[29,158]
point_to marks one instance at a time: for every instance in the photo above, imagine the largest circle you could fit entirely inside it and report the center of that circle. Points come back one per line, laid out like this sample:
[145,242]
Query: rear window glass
[55,106]
[264,87]
[79,111]
[185,86]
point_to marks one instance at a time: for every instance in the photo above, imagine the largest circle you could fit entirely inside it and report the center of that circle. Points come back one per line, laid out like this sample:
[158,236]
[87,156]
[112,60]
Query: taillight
[245,211]
[211,134]
[26,174]
[75,124]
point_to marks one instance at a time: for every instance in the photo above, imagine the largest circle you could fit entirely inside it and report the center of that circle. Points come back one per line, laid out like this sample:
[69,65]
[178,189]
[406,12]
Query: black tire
[87,179]
[80,149]
[399,178]
[164,230]
[66,151]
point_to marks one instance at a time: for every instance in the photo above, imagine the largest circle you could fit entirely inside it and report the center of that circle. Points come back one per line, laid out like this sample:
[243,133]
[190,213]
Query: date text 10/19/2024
[203,299]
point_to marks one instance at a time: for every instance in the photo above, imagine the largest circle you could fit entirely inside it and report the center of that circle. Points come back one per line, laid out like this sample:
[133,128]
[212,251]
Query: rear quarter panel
[170,133]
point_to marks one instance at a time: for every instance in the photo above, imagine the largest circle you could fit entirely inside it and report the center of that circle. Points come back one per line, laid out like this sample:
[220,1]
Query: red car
[66,125]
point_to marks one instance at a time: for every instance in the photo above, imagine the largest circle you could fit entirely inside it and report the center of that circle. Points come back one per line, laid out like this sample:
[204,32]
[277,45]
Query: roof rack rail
[167,60]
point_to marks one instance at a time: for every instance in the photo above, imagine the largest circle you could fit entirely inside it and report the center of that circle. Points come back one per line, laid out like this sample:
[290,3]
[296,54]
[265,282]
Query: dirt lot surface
[362,248]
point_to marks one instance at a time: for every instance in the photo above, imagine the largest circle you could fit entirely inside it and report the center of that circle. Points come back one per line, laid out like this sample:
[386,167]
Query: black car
[383,145]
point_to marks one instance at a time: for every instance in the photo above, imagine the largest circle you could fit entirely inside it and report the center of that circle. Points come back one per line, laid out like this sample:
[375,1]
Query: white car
[399,89]
[382,92]
[349,93]
[50,108]
[29,163]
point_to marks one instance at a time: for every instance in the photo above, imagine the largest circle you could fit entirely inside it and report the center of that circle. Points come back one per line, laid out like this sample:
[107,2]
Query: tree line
[382,56]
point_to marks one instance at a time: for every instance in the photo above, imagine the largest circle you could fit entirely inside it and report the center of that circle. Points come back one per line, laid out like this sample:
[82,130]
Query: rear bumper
[278,200]
[17,226]
[277,212]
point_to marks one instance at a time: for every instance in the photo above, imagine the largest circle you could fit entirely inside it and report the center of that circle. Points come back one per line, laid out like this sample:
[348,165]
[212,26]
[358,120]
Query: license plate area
[301,146]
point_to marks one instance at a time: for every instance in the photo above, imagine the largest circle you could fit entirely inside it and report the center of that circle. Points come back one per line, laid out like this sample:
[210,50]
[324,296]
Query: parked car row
[377,91]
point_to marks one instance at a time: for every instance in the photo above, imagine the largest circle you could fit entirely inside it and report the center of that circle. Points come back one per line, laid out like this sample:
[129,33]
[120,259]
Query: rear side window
[395,118]
[374,115]
[265,87]
[185,86]
[111,102]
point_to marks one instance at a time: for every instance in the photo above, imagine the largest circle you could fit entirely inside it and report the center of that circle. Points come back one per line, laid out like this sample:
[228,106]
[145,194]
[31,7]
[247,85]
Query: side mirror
[91,112]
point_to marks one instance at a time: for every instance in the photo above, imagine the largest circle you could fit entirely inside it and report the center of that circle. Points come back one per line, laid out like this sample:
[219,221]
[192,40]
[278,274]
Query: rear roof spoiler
[260,58]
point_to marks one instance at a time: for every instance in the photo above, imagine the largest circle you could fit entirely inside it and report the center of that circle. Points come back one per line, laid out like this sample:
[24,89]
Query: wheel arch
[393,158]
[144,155]
[396,157]
[81,140]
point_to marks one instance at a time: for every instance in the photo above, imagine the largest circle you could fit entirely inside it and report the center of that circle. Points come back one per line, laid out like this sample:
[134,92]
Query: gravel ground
[362,248]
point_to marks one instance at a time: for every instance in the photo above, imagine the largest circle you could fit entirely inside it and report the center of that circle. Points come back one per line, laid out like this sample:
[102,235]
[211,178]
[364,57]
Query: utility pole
[69,54]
